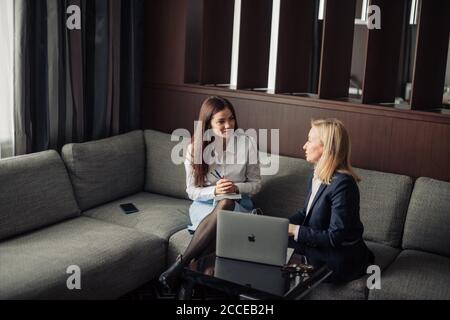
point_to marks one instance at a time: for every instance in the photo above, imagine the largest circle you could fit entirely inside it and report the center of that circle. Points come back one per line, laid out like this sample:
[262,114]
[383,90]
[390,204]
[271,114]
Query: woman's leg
[205,234]
[203,238]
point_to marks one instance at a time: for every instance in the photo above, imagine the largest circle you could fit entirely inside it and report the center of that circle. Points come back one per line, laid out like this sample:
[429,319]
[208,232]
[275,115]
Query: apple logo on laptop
[251,238]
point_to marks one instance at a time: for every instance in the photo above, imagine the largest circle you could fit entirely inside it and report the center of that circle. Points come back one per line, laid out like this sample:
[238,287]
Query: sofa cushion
[356,289]
[162,175]
[158,215]
[284,193]
[107,169]
[353,290]
[428,218]
[384,201]
[113,260]
[178,243]
[415,275]
[384,255]
[35,191]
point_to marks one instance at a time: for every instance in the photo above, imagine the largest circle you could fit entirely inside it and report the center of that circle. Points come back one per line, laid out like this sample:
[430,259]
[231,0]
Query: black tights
[204,239]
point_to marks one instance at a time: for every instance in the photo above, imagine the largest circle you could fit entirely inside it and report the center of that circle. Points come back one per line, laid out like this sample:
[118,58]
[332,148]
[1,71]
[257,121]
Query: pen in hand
[215,175]
[218,174]
[225,186]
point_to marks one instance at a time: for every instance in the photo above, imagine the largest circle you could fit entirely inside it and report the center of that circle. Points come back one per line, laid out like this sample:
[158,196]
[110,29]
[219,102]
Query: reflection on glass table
[248,280]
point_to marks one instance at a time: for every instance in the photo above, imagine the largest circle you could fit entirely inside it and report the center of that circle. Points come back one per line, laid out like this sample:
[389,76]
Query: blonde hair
[336,150]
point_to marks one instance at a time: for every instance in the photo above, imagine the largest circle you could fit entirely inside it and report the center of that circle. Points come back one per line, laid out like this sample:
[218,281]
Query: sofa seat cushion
[178,243]
[113,260]
[105,170]
[353,290]
[158,215]
[35,191]
[415,275]
[356,289]
[384,255]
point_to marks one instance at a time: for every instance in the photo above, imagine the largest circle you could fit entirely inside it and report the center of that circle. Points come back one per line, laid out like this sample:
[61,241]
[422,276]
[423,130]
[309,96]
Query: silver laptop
[253,238]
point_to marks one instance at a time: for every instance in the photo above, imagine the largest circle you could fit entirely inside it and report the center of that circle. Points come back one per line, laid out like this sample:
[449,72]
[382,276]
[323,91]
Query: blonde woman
[329,229]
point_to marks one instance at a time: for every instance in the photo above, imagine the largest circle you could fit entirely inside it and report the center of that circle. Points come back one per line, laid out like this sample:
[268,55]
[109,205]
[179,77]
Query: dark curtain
[76,85]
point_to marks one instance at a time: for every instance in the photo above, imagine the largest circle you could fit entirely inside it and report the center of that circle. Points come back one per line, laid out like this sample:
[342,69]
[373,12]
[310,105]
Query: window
[362,51]
[7,77]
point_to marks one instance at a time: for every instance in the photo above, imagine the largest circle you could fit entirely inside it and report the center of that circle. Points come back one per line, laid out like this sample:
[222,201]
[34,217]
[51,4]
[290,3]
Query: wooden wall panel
[386,140]
[209,39]
[165,34]
[217,41]
[295,45]
[337,44]
[383,53]
[425,149]
[431,54]
[194,39]
[254,44]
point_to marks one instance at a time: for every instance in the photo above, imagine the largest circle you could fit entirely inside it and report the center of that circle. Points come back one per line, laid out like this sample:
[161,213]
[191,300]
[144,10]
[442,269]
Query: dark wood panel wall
[400,141]
[383,53]
[295,45]
[165,41]
[430,65]
[337,44]
[209,38]
[194,41]
[254,44]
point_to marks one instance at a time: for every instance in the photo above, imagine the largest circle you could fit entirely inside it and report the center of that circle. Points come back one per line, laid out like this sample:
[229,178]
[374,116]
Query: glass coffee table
[252,281]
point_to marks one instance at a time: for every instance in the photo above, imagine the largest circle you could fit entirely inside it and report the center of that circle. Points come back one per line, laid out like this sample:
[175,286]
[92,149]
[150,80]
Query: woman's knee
[226,204]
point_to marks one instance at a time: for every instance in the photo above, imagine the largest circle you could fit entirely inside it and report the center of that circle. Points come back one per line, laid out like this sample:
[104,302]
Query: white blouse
[239,163]
[316,183]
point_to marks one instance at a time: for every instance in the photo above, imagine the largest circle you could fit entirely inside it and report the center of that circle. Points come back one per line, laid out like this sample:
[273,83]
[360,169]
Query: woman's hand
[209,271]
[224,186]
[292,230]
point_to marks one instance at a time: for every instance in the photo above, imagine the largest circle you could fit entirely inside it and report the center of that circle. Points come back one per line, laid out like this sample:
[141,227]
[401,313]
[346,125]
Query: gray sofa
[56,212]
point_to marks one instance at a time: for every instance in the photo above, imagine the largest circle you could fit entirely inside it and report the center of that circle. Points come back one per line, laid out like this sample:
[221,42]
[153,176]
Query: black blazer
[332,231]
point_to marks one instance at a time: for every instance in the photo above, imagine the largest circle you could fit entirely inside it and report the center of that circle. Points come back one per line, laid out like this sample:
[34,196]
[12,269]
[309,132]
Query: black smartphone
[129,208]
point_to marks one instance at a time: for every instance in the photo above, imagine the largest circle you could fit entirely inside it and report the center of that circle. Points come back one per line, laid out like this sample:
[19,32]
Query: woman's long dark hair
[209,108]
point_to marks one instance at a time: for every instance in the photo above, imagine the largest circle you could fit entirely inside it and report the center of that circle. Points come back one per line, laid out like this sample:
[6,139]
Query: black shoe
[171,277]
